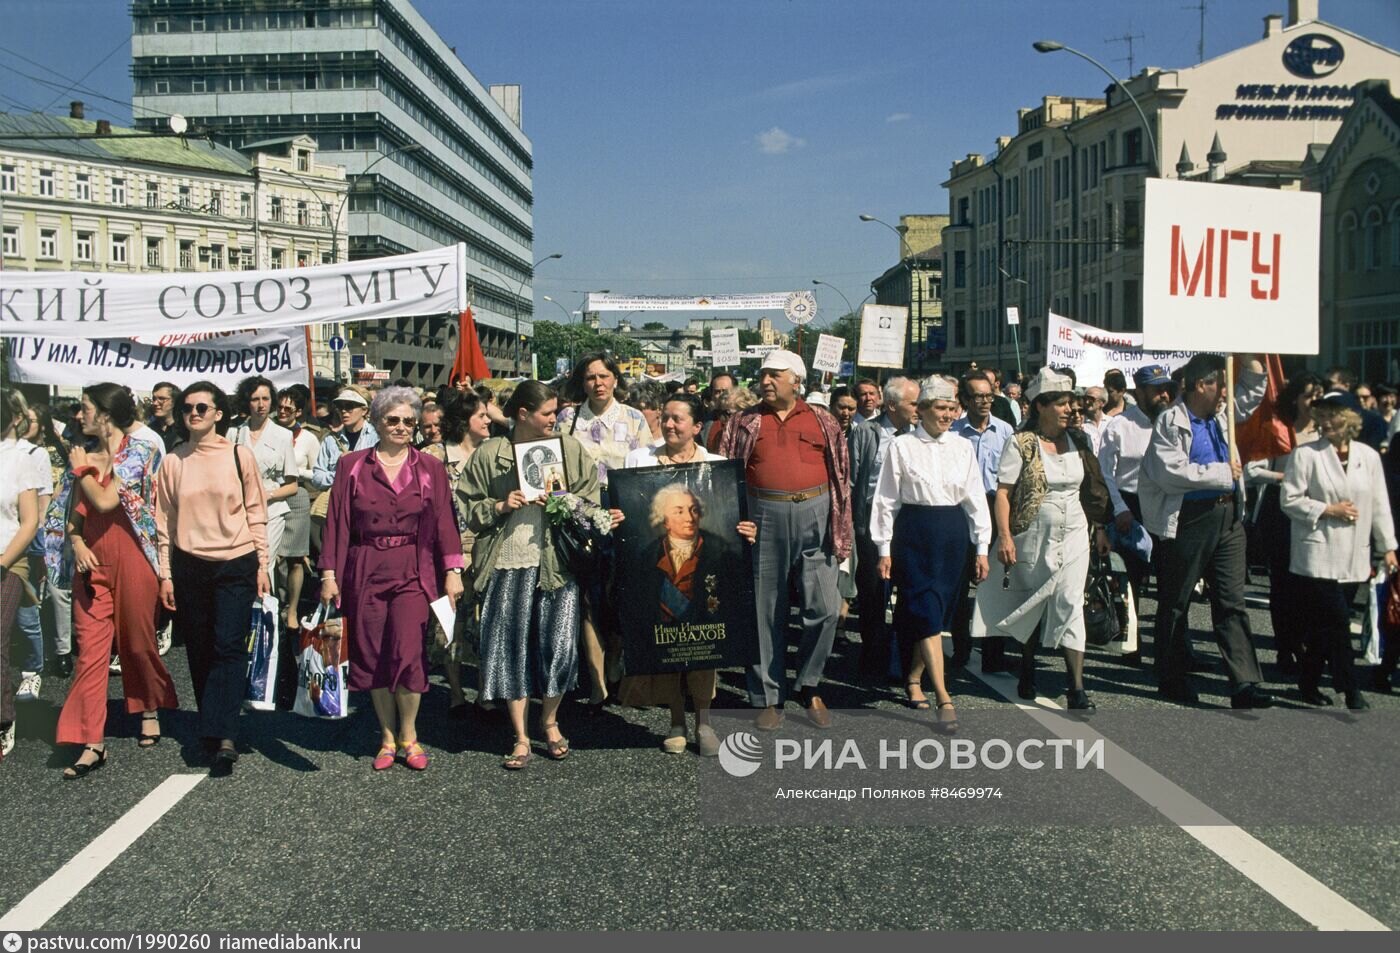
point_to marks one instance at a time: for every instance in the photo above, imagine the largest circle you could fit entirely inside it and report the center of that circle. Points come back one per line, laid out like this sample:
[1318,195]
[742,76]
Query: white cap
[348,396]
[785,361]
[817,397]
[938,388]
[1048,381]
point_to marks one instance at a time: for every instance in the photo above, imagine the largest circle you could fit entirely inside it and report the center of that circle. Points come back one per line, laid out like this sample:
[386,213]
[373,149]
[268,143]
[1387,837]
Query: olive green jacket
[489,477]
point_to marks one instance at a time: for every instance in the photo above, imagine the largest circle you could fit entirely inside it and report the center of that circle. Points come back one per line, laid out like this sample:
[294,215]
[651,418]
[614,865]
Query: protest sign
[724,347]
[828,354]
[1093,351]
[279,354]
[1230,268]
[83,304]
[882,335]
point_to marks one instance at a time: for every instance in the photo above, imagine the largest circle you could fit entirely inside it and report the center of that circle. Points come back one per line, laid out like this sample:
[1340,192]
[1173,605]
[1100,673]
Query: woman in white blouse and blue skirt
[929,501]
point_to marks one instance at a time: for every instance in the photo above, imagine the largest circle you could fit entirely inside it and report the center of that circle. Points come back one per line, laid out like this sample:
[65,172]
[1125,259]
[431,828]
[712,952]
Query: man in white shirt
[1093,416]
[1124,443]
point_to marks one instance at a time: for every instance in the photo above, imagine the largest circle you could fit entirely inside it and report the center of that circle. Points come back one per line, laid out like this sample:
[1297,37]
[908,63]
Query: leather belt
[383,542]
[789,496]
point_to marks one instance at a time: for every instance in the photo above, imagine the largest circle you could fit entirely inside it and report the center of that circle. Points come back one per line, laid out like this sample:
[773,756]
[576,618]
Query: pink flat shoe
[384,760]
[414,756]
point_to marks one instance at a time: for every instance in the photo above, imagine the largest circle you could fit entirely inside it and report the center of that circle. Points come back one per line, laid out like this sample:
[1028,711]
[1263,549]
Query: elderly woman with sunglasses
[391,547]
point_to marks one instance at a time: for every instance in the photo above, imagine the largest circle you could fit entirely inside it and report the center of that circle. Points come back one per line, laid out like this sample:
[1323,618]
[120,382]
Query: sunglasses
[394,421]
[348,405]
[199,410]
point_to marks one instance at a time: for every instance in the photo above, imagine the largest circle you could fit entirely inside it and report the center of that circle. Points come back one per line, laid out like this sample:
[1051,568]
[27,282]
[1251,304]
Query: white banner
[762,301]
[724,347]
[1230,268]
[82,304]
[882,335]
[225,358]
[1092,351]
[828,354]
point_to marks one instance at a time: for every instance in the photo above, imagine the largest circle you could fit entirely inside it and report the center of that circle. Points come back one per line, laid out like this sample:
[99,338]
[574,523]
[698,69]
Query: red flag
[1263,434]
[470,361]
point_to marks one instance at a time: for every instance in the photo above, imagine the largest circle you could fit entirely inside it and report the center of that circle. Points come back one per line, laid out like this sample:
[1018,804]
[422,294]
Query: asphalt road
[304,836]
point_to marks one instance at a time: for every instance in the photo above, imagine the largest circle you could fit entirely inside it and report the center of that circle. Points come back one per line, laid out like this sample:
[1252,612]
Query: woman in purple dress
[390,548]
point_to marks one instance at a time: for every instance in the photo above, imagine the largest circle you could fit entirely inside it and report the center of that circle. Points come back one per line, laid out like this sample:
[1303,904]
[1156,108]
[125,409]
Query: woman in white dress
[274,449]
[1042,540]
[929,503]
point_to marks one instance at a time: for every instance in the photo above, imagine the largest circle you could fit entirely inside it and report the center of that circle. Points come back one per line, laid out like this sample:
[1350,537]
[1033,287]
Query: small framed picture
[539,466]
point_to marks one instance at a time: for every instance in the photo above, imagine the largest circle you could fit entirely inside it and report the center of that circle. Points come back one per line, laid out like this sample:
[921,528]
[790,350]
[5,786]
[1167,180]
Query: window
[1132,321]
[303,160]
[1036,150]
[11,248]
[116,191]
[245,205]
[185,197]
[9,182]
[216,203]
[216,257]
[153,252]
[303,217]
[1348,250]
[196,24]
[199,84]
[303,259]
[309,81]
[959,269]
[1132,147]
[1371,239]
[119,243]
[274,83]
[162,26]
[152,195]
[235,21]
[234,84]
[82,246]
[276,209]
[959,329]
[963,211]
[162,87]
[48,243]
[187,256]
[278,257]
[1108,304]
[233,254]
[326,258]
[46,182]
[1132,222]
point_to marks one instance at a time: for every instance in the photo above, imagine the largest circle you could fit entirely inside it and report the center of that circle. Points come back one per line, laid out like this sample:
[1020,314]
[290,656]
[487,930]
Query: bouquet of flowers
[579,528]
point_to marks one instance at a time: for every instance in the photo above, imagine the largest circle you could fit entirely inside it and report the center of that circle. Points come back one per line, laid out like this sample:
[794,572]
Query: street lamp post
[515,302]
[335,220]
[1054,46]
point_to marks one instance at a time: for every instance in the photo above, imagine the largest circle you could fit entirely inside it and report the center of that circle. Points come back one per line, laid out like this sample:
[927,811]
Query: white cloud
[776,142]
[898,117]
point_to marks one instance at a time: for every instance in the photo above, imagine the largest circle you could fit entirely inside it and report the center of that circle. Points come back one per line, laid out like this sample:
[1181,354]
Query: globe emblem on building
[740,754]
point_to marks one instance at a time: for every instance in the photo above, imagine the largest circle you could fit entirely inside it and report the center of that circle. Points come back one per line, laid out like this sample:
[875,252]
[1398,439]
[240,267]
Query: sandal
[81,770]
[516,762]
[557,750]
[918,704]
[946,726]
[145,740]
[384,758]
[414,756]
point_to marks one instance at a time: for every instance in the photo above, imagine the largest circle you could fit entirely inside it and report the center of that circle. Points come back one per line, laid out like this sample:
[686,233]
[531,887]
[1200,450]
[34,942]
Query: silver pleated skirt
[529,638]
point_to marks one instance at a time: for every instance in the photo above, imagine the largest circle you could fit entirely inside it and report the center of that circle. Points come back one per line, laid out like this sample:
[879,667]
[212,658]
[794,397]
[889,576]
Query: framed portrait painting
[683,582]
[539,465]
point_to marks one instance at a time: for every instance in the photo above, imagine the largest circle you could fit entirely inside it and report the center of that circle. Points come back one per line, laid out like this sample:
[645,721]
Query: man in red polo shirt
[797,467]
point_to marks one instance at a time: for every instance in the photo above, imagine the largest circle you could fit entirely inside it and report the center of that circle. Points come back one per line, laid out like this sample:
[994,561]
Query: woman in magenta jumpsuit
[390,548]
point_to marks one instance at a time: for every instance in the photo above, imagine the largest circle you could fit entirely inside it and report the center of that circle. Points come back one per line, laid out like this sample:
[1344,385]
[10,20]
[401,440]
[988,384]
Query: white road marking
[53,894]
[1280,878]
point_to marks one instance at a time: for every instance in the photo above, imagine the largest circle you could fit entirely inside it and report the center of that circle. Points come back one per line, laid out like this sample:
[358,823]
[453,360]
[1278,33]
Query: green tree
[653,326]
[570,341]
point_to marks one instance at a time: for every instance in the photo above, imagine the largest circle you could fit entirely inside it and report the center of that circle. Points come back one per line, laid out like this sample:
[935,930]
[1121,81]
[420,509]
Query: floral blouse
[608,437]
[134,467]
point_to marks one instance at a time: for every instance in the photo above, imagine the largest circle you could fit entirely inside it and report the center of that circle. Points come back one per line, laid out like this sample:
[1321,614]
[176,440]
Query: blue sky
[729,145]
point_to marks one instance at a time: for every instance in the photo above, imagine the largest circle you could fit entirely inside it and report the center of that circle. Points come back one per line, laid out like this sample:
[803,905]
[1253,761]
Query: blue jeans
[27,618]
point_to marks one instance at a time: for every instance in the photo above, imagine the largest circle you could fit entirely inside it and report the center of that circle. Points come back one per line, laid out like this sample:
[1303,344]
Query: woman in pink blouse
[211,526]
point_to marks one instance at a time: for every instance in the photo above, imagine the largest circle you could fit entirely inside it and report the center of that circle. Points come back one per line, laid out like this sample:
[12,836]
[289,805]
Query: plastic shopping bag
[262,655]
[1373,627]
[322,669]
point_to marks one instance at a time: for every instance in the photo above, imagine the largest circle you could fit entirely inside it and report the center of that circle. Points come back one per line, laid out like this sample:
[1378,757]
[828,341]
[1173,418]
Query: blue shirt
[987,446]
[1207,446]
